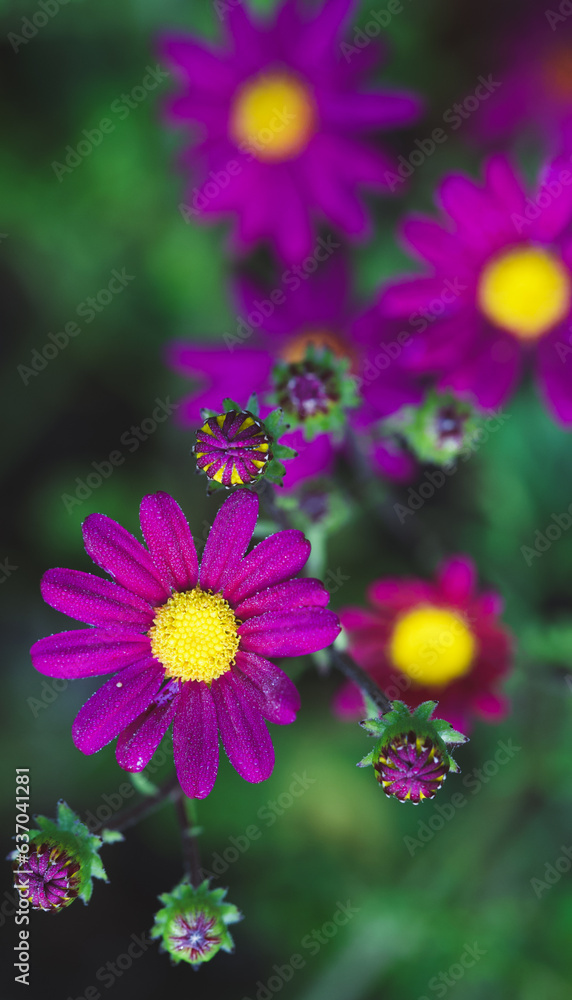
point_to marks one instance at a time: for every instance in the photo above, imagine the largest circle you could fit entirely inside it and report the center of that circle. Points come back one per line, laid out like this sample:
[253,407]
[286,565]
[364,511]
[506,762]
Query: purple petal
[313,458]
[491,374]
[302,593]
[374,110]
[319,37]
[116,704]
[554,374]
[293,633]
[170,542]
[482,222]
[274,560]
[198,66]
[272,690]
[433,243]
[556,213]
[506,185]
[138,742]
[228,539]
[244,734]
[117,552]
[195,740]
[89,599]
[88,652]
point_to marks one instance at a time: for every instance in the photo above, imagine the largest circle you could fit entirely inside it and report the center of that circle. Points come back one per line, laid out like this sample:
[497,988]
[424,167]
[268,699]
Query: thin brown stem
[344,663]
[191,855]
[129,817]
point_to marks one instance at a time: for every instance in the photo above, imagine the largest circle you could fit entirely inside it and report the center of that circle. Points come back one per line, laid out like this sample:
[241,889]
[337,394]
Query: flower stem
[344,663]
[145,808]
[191,855]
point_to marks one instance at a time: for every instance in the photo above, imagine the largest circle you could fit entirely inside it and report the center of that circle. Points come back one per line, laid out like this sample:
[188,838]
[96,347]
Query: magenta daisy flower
[501,288]
[436,641]
[187,644]
[283,115]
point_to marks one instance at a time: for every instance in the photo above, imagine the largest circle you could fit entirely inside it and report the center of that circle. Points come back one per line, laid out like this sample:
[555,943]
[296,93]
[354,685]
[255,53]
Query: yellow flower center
[432,645]
[194,636]
[526,291]
[274,116]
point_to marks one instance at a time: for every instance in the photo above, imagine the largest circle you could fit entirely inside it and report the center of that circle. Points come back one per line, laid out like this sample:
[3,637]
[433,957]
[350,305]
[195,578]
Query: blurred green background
[419,905]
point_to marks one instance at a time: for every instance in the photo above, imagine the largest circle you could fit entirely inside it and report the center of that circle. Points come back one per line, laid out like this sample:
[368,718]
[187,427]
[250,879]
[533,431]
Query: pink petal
[457,579]
[291,634]
[88,652]
[94,601]
[195,740]
[116,704]
[117,552]
[244,734]
[491,706]
[274,693]
[348,702]
[228,539]
[272,561]
[170,542]
[302,593]
[139,741]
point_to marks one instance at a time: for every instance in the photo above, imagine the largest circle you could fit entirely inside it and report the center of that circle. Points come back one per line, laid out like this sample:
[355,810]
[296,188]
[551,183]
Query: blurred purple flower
[501,288]
[282,114]
[280,326]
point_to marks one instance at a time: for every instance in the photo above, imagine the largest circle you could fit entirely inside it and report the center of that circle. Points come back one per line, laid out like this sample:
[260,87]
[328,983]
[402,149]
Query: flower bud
[49,877]
[237,448]
[193,924]
[62,860]
[316,392]
[411,759]
[439,429]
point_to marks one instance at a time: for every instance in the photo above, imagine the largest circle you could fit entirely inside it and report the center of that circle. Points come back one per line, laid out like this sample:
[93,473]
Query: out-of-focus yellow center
[525,291]
[274,116]
[194,636]
[296,348]
[432,645]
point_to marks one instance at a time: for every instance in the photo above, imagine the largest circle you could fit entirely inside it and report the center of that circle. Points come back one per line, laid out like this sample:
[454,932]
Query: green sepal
[401,720]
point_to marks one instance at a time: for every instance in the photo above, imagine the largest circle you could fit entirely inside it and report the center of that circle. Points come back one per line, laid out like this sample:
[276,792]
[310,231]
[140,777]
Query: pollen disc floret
[432,645]
[410,767]
[275,115]
[194,636]
[525,290]
[49,877]
[233,448]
